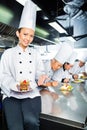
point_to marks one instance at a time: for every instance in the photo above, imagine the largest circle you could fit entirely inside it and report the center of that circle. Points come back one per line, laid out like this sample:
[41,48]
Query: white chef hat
[28,17]
[64,53]
[83,59]
[72,58]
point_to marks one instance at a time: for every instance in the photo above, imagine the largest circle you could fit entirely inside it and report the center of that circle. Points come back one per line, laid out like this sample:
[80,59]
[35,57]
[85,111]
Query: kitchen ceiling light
[22,2]
[41,32]
[58,27]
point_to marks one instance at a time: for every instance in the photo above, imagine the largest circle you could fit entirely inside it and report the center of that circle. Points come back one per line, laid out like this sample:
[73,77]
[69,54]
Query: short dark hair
[19,29]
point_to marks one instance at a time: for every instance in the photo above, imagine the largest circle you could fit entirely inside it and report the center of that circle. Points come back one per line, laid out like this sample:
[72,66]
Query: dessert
[66,87]
[24,85]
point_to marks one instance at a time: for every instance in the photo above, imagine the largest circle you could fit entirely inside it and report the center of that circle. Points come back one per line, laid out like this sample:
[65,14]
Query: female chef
[22,63]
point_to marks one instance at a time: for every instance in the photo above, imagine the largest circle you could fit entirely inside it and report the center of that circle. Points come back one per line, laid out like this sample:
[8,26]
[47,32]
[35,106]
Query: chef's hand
[50,83]
[54,83]
[18,85]
[42,79]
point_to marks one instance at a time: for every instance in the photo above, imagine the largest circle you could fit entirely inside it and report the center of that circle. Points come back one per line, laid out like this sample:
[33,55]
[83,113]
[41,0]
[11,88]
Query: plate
[66,93]
[78,81]
[15,89]
[66,88]
[83,77]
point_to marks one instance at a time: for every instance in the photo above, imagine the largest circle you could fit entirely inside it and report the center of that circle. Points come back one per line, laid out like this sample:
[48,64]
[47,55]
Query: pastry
[66,87]
[24,85]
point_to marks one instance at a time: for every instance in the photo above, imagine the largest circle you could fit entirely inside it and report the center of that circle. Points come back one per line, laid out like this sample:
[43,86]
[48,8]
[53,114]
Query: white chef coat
[49,72]
[17,65]
[48,69]
[76,69]
[61,74]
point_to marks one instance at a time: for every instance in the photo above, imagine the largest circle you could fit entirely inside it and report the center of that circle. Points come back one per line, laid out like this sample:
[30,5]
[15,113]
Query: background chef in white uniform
[57,62]
[48,95]
[63,75]
[79,67]
[22,109]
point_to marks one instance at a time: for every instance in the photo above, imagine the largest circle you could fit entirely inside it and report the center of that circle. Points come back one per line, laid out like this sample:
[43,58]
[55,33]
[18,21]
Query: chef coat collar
[21,49]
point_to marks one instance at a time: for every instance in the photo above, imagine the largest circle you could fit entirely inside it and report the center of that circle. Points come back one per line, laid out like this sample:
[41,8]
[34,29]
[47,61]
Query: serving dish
[16,89]
[66,87]
[77,81]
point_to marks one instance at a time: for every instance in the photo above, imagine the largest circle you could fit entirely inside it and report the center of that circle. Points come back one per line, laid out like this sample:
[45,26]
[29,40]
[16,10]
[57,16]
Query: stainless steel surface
[71,107]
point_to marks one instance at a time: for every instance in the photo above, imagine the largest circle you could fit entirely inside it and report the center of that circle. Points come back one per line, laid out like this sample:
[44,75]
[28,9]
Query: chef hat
[28,17]
[83,59]
[72,58]
[64,53]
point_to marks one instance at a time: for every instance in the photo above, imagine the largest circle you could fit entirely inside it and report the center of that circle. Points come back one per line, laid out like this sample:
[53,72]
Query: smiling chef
[21,67]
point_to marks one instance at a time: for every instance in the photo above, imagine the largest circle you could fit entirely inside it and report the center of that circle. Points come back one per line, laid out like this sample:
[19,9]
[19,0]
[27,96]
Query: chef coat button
[19,53]
[20,72]
[29,53]
[30,72]
[20,62]
[30,61]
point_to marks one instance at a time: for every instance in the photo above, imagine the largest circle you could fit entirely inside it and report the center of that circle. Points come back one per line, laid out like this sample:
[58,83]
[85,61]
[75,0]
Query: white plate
[78,81]
[84,77]
[15,89]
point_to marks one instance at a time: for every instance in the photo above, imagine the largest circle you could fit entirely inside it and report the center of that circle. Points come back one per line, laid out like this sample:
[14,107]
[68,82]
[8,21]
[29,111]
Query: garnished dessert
[66,87]
[24,85]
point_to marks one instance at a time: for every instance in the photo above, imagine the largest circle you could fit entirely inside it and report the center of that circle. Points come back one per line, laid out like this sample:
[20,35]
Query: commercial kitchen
[58,21]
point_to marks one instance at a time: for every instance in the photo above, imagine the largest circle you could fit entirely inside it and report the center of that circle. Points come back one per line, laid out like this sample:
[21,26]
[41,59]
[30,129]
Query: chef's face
[81,63]
[25,36]
[55,65]
[67,66]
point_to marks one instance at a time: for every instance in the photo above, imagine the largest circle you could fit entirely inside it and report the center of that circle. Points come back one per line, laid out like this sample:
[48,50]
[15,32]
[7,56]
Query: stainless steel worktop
[70,108]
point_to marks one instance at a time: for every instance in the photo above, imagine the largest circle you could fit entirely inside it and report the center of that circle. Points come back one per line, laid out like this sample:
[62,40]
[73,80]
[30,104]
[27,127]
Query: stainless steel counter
[70,108]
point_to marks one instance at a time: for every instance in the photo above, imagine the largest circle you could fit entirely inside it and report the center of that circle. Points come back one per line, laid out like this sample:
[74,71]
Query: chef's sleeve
[6,77]
[40,70]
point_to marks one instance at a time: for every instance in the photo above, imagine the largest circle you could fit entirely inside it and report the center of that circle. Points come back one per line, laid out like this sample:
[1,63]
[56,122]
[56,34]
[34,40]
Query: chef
[63,75]
[22,64]
[57,62]
[51,66]
[79,67]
